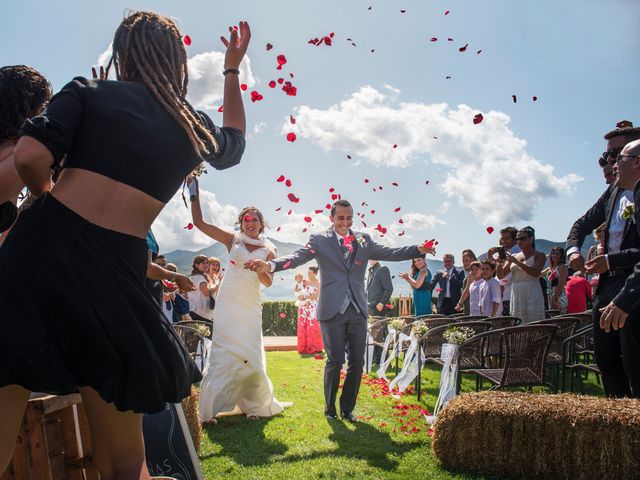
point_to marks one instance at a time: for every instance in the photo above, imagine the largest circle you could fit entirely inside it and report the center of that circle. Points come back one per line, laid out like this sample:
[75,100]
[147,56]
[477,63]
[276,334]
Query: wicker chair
[577,356]
[471,355]
[551,313]
[494,349]
[469,318]
[192,339]
[526,350]
[377,330]
[566,328]
[198,323]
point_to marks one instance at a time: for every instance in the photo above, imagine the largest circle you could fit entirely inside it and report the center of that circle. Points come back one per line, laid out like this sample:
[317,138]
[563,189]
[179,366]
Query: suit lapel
[359,251]
[611,212]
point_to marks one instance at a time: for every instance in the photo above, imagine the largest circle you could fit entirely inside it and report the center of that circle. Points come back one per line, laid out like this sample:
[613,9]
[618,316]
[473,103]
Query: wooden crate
[53,442]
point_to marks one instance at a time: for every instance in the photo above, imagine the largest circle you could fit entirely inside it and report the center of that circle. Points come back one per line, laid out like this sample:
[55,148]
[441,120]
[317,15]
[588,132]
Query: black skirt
[75,312]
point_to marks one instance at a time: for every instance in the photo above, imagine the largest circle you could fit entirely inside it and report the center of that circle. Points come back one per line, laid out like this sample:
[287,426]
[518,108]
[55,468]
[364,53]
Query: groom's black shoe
[349,417]
[330,414]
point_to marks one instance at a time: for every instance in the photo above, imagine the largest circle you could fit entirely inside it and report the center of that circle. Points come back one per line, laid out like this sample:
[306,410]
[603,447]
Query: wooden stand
[405,306]
[53,442]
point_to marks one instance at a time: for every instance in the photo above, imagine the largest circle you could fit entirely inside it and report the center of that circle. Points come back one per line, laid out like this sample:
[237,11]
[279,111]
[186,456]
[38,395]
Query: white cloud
[169,226]
[206,83]
[292,226]
[259,127]
[489,169]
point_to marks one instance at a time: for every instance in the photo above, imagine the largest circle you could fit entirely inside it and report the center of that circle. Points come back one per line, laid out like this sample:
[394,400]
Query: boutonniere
[629,212]
[361,241]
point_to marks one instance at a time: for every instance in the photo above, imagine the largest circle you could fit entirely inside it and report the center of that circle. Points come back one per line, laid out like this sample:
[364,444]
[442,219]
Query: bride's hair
[245,211]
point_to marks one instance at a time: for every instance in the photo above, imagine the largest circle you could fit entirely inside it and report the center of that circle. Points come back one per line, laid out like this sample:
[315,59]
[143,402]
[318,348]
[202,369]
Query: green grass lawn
[387,442]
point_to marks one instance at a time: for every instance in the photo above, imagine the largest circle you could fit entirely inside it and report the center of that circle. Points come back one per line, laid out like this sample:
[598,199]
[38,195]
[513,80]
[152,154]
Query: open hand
[612,316]
[236,45]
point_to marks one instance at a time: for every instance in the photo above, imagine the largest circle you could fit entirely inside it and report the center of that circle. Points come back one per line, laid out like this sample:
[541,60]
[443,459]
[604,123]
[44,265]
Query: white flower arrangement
[458,335]
[419,329]
[397,324]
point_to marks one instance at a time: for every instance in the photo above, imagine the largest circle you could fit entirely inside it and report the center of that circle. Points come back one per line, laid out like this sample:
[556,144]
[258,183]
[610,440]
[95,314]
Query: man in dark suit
[617,355]
[615,315]
[379,289]
[449,281]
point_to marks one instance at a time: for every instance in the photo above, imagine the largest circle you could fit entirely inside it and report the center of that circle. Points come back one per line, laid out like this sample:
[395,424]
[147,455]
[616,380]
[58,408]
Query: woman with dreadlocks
[23,94]
[128,145]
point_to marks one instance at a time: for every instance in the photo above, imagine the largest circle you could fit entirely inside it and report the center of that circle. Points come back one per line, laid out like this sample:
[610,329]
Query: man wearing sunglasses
[616,314]
[616,356]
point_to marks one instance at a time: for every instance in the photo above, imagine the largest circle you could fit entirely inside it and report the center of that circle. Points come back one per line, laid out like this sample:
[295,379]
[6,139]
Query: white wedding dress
[235,379]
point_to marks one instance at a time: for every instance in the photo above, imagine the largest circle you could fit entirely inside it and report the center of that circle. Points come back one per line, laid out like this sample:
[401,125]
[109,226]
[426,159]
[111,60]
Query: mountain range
[282,288]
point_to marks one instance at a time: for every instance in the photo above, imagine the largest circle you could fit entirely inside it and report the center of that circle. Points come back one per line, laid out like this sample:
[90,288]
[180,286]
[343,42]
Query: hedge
[274,325]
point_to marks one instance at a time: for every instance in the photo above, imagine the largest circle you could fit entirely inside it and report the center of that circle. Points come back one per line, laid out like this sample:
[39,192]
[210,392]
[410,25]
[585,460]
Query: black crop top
[119,129]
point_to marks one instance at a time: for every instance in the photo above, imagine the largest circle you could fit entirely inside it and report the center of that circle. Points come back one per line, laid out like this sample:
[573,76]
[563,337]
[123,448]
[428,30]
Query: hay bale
[190,407]
[526,435]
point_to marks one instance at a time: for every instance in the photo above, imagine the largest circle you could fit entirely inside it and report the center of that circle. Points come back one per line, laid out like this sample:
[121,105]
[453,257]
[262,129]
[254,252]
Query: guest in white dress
[527,299]
[235,380]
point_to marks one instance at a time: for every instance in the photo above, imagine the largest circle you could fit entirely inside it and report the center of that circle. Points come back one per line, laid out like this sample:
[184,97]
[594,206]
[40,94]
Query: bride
[235,380]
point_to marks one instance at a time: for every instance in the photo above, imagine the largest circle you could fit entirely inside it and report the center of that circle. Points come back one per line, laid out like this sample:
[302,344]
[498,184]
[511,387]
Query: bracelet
[230,70]
[173,276]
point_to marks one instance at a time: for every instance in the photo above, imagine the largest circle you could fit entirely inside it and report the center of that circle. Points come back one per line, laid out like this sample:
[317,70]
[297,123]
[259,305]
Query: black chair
[578,357]
[205,327]
[377,329]
[525,350]
[193,340]
[566,328]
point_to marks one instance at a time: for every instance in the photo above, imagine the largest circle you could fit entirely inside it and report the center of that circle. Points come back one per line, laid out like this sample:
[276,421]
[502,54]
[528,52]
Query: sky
[385,105]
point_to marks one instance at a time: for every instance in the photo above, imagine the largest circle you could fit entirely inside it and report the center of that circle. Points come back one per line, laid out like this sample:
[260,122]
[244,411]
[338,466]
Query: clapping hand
[403,275]
[236,45]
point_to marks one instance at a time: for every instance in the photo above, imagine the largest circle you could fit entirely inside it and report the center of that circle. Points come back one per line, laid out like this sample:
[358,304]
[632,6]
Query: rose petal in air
[280,178]
[434,39]
[396,209]
[463,49]
[281,59]
[187,40]
[447,12]
[292,198]
[403,11]
[278,209]
[280,80]
[232,262]
[395,145]
[331,190]
[307,219]
[478,52]
[189,226]
[395,184]
[318,210]
[489,230]
[288,183]
[328,206]
[221,108]
[292,119]
[349,157]
[255,96]
[535,99]
[478,119]
[327,41]
[269,46]
[291,137]
[286,265]
[334,196]
[514,98]
[272,84]
[243,87]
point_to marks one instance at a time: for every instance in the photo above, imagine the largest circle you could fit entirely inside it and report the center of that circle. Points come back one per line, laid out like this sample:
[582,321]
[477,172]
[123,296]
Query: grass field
[391,440]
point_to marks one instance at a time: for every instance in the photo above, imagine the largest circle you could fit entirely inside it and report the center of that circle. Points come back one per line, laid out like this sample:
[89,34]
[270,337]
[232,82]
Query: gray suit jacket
[379,287]
[336,276]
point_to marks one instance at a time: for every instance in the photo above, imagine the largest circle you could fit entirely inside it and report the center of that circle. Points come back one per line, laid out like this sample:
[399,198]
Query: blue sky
[519,166]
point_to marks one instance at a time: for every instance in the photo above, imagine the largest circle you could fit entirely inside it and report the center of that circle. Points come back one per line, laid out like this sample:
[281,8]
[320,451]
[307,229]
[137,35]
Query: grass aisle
[301,444]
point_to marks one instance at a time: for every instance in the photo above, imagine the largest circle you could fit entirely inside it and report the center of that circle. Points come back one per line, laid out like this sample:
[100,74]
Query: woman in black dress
[87,322]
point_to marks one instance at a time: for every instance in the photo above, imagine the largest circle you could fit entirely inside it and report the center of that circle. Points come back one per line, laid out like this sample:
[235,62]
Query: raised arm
[223,236]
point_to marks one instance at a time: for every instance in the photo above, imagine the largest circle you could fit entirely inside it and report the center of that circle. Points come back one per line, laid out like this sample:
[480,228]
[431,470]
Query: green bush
[273,325]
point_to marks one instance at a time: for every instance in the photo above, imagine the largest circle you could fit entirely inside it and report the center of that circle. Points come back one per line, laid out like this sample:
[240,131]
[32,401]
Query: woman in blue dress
[419,280]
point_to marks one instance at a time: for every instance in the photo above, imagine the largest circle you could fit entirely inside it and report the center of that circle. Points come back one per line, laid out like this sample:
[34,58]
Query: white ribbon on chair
[409,366]
[202,354]
[384,360]
[448,378]
[369,356]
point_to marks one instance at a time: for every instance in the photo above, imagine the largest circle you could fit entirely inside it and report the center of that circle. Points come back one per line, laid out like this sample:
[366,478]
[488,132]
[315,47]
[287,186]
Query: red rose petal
[427,182]
[349,157]
[428,244]
[248,218]
[449,39]
[287,182]
[395,145]
[327,41]
[366,180]
[187,40]
[282,315]
[281,59]
[307,219]
[292,198]
[373,212]
[478,52]
[292,119]
[328,206]
[269,46]
[318,357]
[489,230]
[514,98]
[232,262]
[400,221]
[434,39]
[272,84]
[401,233]
[280,80]
[395,184]
[189,226]
[280,178]
[334,197]
[478,119]
[447,12]
[535,99]
[318,210]
[255,96]
[397,209]
[364,224]
[402,11]
[331,190]
[221,108]
[463,49]
[389,306]
[278,229]
[291,137]
[289,212]
[243,87]
[286,265]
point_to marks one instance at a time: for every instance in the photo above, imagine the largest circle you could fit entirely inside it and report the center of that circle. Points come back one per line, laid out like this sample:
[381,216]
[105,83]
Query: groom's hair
[340,203]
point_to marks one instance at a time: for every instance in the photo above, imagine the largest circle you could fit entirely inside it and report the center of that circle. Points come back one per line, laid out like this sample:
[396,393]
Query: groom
[342,256]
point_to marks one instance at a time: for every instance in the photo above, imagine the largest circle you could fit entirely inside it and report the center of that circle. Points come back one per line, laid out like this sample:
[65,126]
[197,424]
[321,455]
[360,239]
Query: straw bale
[542,436]
[190,407]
